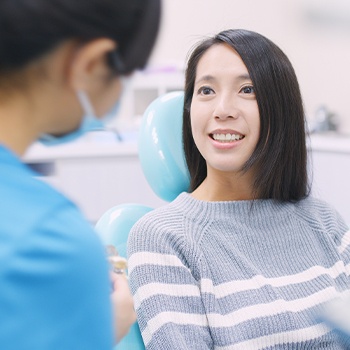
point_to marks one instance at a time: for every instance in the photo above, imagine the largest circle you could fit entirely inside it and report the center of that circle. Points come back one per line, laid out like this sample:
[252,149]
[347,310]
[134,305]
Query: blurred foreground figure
[62,64]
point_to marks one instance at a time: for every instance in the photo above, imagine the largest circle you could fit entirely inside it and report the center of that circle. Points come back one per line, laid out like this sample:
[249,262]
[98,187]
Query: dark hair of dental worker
[62,63]
[280,156]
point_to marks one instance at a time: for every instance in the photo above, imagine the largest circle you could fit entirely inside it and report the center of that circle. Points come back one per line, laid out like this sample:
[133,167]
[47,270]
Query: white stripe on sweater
[235,318]
[345,242]
[179,318]
[347,268]
[236,286]
[221,290]
[145,258]
[295,336]
[271,309]
[171,290]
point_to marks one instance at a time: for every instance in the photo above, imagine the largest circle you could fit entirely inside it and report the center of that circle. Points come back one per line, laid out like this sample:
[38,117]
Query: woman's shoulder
[170,225]
[171,211]
[315,205]
[319,213]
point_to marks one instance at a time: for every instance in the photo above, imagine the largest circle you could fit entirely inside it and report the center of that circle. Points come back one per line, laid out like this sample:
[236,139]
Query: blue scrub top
[54,284]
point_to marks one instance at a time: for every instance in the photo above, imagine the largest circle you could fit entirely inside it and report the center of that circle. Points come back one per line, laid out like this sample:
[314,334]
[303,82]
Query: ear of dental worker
[92,74]
[95,87]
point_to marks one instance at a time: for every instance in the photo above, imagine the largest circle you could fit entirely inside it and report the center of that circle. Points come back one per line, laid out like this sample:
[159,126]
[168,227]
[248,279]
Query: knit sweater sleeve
[342,240]
[164,272]
[325,218]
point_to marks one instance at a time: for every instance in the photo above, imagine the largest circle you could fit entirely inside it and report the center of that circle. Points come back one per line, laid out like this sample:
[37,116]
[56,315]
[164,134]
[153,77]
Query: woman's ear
[89,62]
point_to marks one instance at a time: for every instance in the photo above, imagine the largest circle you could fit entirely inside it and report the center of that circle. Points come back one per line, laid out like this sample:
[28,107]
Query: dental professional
[247,257]
[62,63]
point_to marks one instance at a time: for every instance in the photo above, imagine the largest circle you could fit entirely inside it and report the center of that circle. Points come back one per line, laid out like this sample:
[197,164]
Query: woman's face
[224,112]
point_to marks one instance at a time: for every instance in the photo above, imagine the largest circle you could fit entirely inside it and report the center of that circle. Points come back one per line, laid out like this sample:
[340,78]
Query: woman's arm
[168,301]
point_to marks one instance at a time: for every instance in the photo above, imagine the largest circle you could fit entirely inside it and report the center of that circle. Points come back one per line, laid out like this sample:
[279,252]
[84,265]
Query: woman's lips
[226,137]
[226,140]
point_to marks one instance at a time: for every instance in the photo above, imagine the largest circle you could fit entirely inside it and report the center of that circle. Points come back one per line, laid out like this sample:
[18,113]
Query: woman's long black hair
[280,157]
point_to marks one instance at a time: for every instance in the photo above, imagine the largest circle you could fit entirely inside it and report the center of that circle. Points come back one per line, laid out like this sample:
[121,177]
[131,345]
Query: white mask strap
[85,103]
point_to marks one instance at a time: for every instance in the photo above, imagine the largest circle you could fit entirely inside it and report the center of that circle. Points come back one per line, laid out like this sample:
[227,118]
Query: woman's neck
[225,187]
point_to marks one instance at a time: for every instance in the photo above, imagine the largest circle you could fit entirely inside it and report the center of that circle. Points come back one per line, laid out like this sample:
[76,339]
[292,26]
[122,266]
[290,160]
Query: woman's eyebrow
[205,78]
[244,76]
[210,78]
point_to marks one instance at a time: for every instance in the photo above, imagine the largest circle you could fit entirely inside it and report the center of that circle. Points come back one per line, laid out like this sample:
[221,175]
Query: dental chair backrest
[163,164]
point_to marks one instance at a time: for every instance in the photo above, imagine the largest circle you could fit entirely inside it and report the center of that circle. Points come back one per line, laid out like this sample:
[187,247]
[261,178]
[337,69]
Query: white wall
[315,34]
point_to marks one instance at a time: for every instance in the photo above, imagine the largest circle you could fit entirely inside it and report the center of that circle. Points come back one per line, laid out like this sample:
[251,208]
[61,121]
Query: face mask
[89,122]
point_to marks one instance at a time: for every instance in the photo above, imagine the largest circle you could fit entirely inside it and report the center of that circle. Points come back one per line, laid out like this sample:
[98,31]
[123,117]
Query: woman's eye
[248,90]
[205,90]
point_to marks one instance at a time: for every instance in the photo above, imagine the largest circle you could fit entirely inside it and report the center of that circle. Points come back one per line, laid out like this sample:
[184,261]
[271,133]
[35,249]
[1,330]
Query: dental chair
[163,164]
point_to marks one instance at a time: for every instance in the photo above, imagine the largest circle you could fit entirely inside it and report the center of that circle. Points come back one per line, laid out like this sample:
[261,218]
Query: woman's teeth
[227,137]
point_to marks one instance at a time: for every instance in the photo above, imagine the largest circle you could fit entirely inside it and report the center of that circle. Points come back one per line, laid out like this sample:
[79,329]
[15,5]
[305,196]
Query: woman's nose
[226,108]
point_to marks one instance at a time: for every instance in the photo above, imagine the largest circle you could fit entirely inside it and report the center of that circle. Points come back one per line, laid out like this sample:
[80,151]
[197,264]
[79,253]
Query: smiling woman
[224,109]
[247,258]
[266,81]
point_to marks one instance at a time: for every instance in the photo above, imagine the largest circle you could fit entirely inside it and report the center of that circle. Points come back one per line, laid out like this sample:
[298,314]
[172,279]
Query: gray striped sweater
[237,275]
